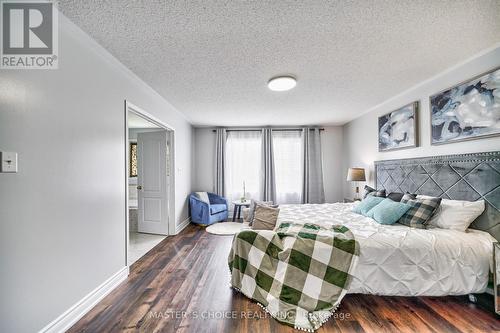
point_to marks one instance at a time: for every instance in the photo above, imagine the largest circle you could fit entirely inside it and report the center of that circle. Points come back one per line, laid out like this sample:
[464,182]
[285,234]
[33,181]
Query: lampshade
[356,175]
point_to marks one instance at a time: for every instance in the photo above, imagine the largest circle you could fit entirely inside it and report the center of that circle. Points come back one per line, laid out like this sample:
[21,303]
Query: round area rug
[226,228]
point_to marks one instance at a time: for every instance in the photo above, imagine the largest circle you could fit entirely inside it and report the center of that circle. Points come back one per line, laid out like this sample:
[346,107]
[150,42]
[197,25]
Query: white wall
[331,140]
[360,135]
[62,217]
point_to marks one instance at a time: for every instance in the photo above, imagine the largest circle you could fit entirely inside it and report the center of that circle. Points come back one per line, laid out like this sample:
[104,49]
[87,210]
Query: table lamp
[356,175]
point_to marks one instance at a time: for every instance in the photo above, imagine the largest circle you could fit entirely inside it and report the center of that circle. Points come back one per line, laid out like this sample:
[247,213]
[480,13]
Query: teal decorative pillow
[388,211]
[364,206]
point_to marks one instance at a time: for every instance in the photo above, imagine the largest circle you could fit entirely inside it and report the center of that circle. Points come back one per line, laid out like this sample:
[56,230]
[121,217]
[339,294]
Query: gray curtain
[220,161]
[268,172]
[313,190]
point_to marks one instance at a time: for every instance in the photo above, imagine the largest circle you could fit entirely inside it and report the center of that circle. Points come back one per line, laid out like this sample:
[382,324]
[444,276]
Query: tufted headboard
[459,177]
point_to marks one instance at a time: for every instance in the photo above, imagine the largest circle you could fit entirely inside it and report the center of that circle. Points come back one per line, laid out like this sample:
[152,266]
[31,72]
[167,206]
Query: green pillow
[364,206]
[388,211]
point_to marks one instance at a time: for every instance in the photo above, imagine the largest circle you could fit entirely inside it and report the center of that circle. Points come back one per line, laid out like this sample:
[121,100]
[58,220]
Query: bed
[387,259]
[398,260]
[461,261]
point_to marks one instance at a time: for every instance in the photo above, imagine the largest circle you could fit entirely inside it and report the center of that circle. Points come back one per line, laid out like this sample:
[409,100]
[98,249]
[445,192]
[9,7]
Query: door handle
[139,187]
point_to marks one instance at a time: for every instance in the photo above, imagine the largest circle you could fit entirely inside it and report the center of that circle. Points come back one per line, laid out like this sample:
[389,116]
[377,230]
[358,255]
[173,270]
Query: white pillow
[203,196]
[456,214]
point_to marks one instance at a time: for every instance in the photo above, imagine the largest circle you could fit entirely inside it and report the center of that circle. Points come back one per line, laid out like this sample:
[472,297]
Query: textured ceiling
[212,59]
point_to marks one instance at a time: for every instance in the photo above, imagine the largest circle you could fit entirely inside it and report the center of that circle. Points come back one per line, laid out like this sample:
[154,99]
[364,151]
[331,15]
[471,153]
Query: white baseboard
[77,311]
[180,227]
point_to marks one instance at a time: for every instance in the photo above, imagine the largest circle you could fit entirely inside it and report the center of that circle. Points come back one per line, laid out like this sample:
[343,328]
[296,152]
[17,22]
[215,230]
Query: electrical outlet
[8,162]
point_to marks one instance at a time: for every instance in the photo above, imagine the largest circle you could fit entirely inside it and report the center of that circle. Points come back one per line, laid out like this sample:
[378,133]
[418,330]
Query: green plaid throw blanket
[298,273]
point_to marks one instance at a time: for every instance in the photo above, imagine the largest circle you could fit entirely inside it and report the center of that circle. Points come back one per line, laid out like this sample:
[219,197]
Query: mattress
[402,261]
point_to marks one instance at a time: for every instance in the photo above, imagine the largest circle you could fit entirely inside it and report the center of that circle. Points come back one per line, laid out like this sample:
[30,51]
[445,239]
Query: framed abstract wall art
[398,129]
[469,110]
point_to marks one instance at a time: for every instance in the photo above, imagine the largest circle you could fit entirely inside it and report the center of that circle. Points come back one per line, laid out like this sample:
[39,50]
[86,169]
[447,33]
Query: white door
[152,182]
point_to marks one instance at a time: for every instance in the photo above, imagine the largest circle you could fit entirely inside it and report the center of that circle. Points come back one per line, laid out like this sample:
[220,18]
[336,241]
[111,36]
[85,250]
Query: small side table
[347,200]
[237,208]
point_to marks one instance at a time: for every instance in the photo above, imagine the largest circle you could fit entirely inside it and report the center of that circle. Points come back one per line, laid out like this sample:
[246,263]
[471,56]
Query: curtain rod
[260,128]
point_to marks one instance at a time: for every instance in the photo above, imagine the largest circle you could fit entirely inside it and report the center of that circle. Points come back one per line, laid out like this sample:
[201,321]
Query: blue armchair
[204,213]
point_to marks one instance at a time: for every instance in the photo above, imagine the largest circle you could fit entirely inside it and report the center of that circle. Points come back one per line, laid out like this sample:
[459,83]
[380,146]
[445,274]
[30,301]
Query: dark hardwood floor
[182,285]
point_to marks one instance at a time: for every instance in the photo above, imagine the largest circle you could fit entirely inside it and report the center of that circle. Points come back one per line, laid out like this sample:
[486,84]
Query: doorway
[149,182]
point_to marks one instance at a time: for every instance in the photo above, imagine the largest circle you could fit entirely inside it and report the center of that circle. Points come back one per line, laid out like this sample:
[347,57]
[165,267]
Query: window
[243,164]
[288,162]
[133,160]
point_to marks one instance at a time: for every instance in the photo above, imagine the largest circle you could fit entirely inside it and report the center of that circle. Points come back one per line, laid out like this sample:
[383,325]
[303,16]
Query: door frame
[130,107]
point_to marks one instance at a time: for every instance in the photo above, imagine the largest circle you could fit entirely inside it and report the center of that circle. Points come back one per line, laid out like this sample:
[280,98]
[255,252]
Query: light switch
[9,162]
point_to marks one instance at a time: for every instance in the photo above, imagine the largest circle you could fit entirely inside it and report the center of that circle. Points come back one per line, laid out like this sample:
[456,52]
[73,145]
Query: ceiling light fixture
[282,83]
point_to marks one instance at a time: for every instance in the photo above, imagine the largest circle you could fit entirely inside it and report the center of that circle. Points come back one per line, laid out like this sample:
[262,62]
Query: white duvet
[398,260]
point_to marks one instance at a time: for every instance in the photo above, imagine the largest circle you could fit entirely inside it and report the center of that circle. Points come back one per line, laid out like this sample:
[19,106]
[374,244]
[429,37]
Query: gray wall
[360,135]
[331,139]
[331,147]
[204,154]
[62,217]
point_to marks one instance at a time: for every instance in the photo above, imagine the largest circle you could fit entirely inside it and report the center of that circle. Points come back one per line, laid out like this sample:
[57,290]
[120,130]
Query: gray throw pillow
[368,190]
[395,196]
[408,196]
[265,217]
[379,193]
[371,191]
[253,204]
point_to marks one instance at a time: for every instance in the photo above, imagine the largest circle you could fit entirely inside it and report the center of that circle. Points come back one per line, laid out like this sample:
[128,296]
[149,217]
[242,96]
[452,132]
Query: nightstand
[346,200]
